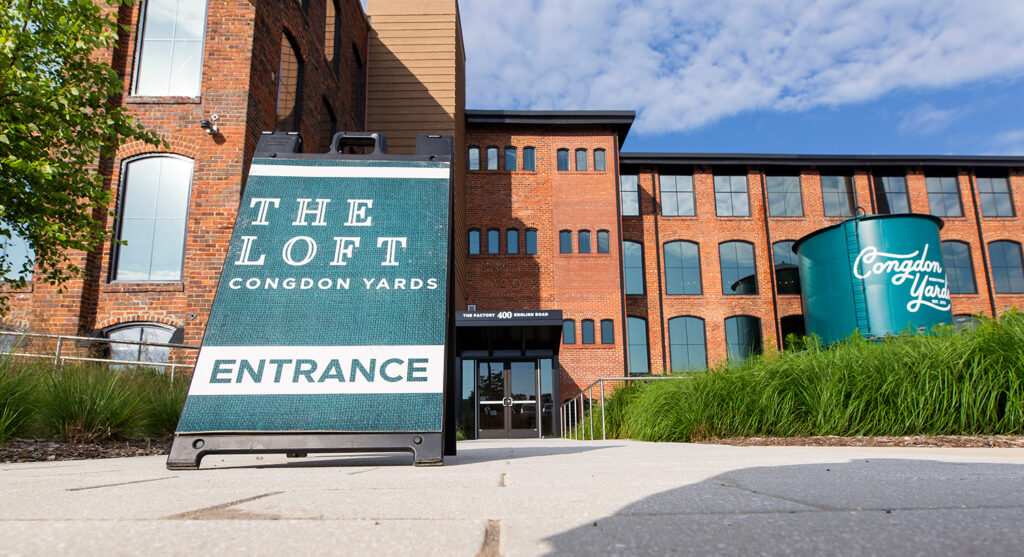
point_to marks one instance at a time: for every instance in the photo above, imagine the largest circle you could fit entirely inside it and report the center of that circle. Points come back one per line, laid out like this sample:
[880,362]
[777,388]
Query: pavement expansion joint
[216,512]
[120,483]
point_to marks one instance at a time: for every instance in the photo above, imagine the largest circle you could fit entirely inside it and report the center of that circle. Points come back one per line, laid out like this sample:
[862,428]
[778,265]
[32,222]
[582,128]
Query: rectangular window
[837,196]
[677,196]
[492,158]
[636,337]
[19,258]
[633,267]
[170,55]
[512,241]
[731,196]
[599,161]
[956,258]
[531,241]
[530,159]
[629,196]
[510,159]
[565,241]
[994,196]
[581,159]
[584,241]
[944,196]
[563,160]
[493,241]
[891,195]
[607,332]
[784,198]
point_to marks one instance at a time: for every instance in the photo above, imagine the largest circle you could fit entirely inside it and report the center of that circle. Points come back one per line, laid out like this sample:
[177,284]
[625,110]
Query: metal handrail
[59,358]
[574,410]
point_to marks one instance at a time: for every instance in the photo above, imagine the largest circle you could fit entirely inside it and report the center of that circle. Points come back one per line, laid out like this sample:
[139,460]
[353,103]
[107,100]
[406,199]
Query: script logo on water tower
[926,276]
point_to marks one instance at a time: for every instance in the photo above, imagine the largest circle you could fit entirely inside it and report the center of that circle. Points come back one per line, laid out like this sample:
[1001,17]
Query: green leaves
[58,116]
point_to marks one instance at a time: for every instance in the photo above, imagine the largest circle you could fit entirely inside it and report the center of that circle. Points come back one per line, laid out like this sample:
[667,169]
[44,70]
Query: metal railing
[58,356]
[578,412]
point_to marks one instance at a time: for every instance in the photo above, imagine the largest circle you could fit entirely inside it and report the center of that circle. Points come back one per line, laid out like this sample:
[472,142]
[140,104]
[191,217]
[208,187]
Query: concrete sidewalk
[528,497]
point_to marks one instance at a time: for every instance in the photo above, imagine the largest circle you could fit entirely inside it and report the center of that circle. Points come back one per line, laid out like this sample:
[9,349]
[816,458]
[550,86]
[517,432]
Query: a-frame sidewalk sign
[331,326]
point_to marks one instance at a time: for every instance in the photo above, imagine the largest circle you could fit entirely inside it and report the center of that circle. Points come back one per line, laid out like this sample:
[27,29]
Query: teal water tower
[876,274]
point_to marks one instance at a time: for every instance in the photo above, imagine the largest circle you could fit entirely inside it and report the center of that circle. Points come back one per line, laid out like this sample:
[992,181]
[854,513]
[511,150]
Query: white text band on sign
[295,171]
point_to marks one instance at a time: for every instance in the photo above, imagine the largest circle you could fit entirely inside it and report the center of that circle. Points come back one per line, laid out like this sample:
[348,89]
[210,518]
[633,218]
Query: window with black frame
[636,338]
[493,241]
[510,159]
[677,196]
[633,267]
[837,196]
[170,50]
[530,159]
[629,195]
[994,197]
[682,268]
[581,160]
[739,275]
[784,197]
[474,158]
[731,198]
[743,337]
[1007,268]
[956,258]
[603,241]
[944,196]
[565,241]
[492,158]
[687,344]
[787,268]
[891,195]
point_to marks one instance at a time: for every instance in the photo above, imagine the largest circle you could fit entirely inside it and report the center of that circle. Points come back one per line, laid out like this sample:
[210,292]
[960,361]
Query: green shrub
[947,383]
[82,404]
[16,393]
[162,402]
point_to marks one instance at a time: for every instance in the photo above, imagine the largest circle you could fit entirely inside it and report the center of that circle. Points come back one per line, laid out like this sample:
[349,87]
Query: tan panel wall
[417,84]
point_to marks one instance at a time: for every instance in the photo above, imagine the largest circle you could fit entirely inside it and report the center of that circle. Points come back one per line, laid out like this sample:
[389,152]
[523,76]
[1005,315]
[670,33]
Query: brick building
[573,260]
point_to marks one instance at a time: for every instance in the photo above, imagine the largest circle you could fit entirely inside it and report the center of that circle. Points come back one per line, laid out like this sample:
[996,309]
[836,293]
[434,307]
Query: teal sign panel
[877,274]
[332,306]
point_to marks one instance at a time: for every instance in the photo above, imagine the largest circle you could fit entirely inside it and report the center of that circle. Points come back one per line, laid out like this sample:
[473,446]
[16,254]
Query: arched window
[603,241]
[743,336]
[510,158]
[687,344]
[956,257]
[600,164]
[474,241]
[328,125]
[492,158]
[493,241]
[636,339]
[587,331]
[170,56]
[289,86]
[1007,272]
[581,159]
[792,325]
[562,159]
[738,272]
[531,241]
[512,241]
[633,267]
[607,332]
[474,158]
[584,241]
[140,332]
[565,241]
[787,268]
[332,34]
[153,212]
[530,159]
[568,332]
[682,268]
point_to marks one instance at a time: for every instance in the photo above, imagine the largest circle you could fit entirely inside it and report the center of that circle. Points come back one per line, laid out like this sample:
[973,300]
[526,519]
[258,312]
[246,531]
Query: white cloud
[1008,143]
[685,63]
[926,119]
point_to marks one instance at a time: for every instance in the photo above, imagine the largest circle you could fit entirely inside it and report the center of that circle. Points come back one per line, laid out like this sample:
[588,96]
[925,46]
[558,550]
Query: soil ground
[37,450]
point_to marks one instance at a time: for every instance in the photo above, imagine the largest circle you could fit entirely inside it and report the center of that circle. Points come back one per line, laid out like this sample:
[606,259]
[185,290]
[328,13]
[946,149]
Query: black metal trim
[779,159]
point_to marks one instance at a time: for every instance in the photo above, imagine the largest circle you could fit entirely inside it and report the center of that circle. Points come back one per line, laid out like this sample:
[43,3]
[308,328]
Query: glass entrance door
[507,398]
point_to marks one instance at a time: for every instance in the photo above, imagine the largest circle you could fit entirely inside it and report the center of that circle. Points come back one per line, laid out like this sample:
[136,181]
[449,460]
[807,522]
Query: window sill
[163,100]
[144,287]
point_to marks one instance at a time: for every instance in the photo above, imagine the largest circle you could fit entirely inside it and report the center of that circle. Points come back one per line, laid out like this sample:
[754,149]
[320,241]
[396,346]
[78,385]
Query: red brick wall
[239,84]
[583,286]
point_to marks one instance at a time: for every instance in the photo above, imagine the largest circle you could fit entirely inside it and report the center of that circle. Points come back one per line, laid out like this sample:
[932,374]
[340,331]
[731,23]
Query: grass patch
[83,403]
[968,382]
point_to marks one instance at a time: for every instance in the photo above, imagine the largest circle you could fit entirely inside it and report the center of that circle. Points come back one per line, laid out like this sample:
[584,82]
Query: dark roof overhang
[619,120]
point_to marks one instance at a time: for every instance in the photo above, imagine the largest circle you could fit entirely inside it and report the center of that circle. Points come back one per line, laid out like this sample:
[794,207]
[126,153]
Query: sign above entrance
[508,318]
[331,315]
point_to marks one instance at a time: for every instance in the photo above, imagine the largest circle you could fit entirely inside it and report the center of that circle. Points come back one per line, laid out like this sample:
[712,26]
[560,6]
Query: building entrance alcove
[507,381]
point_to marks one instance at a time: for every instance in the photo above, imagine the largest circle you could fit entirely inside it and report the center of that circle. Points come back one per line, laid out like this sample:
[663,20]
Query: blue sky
[763,76]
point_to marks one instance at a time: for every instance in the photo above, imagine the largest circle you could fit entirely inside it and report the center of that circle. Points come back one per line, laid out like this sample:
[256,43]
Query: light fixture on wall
[210,125]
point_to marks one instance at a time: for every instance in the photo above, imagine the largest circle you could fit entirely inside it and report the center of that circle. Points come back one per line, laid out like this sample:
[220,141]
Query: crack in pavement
[119,483]
[224,511]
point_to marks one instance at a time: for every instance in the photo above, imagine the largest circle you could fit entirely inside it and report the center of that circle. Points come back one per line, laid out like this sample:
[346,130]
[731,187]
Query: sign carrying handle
[342,140]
